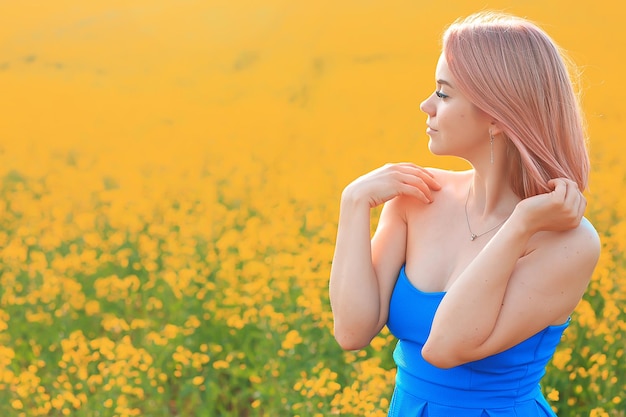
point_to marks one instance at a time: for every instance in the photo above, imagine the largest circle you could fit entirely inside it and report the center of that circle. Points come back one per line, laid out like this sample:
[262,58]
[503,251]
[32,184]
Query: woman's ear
[495,128]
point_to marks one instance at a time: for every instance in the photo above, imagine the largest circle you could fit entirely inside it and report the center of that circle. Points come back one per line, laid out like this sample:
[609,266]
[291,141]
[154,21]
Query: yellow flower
[598,412]
[553,395]
[92,307]
[221,364]
[562,357]
[292,338]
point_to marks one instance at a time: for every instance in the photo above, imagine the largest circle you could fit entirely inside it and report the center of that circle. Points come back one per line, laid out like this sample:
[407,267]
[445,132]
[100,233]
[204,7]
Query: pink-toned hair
[513,71]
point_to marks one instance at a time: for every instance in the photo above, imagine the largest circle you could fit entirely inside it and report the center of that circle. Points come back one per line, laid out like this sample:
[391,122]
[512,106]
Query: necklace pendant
[473,236]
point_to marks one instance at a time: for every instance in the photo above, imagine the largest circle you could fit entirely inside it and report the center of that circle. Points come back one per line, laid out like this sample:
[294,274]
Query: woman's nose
[427,107]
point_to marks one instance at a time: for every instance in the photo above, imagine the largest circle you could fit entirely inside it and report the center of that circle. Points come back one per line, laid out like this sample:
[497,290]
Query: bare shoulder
[451,182]
[449,177]
[588,233]
[583,241]
[575,252]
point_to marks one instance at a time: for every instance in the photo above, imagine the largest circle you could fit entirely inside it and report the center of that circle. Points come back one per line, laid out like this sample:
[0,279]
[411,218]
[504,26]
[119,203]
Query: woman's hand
[559,210]
[392,180]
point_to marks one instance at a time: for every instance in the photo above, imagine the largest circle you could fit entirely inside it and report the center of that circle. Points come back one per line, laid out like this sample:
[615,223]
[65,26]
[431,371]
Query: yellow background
[322,90]
[198,150]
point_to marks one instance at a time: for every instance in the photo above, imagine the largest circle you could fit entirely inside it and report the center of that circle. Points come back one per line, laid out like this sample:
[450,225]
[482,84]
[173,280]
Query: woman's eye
[440,94]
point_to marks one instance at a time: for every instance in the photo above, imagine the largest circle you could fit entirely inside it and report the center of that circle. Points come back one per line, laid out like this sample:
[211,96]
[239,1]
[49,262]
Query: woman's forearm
[359,292]
[469,311]
[354,291]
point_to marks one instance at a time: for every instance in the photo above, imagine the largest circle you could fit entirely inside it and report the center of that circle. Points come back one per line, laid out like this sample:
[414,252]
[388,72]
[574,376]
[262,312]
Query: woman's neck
[490,195]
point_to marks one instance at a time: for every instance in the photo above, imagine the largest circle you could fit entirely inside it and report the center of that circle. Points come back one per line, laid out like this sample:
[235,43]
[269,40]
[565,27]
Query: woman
[476,272]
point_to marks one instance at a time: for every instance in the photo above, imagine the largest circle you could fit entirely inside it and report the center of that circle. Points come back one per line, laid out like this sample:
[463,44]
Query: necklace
[474,236]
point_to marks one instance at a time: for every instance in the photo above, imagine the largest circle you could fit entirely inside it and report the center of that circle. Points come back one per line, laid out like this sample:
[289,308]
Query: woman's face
[455,126]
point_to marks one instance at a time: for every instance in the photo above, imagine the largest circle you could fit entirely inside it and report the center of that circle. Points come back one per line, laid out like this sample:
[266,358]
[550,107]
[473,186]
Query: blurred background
[316,87]
[170,173]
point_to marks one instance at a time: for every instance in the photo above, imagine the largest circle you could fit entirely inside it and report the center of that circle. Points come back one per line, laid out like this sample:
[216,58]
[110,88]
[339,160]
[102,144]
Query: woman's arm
[506,295]
[363,271]
[357,291]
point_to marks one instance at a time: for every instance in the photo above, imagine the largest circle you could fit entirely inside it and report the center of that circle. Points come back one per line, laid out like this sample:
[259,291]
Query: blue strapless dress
[502,385]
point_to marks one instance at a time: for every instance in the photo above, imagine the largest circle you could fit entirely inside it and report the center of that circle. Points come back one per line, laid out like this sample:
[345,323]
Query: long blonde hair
[512,70]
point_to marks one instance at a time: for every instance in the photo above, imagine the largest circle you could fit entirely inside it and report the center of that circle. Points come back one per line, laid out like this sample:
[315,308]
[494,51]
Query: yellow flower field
[170,173]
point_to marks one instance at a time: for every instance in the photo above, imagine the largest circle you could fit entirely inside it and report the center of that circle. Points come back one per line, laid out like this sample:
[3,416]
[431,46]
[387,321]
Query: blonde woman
[476,272]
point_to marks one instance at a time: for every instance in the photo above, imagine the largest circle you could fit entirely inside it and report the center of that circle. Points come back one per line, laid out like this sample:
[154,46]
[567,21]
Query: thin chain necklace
[474,236]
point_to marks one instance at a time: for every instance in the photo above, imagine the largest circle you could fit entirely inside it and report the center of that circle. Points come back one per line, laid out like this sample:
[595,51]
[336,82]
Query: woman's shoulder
[584,234]
[452,182]
[447,175]
[588,236]
[581,243]
[453,187]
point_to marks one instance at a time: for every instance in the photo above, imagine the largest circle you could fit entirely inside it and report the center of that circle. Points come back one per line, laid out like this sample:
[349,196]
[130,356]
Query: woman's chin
[432,147]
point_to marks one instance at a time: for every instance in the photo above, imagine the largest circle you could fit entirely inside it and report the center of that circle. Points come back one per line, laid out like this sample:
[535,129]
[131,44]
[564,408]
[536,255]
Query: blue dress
[502,385]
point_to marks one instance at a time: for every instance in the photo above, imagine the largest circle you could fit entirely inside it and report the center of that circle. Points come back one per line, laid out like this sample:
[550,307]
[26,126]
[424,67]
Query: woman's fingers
[558,210]
[392,180]
[574,198]
[582,206]
[413,191]
[569,201]
[431,182]
[412,180]
[419,185]
[422,173]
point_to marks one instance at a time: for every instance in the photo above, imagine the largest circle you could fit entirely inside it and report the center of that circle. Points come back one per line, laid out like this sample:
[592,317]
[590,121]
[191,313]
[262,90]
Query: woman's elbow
[440,358]
[347,340]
